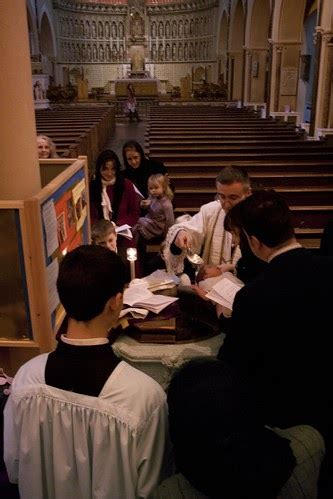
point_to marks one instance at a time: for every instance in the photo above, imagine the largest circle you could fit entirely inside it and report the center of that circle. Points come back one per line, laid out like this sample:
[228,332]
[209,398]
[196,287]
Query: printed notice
[51,275]
[50,227]
[80,203]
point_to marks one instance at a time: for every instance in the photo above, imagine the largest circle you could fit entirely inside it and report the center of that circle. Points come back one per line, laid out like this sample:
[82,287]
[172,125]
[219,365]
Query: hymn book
[224,290]
[124,230]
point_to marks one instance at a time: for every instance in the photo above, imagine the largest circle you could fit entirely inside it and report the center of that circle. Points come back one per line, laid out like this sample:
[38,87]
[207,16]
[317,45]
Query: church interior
[245,83]
[192,64]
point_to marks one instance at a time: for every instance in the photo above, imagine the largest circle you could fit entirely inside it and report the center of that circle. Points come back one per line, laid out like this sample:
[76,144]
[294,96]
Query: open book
[140,297]
[224,290]
[124,230]
[160,279]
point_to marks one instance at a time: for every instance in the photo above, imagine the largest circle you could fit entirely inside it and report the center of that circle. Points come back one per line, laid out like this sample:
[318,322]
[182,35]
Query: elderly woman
[46,147]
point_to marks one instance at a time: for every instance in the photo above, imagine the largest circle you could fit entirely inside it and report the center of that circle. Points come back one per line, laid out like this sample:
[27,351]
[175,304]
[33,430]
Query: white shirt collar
[84,342]
[284,250]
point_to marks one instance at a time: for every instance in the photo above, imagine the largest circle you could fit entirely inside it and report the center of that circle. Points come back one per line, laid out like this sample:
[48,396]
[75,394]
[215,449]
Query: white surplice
[60,444]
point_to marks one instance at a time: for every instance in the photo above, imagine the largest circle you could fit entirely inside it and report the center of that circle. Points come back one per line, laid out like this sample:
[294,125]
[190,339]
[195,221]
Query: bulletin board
[65,226]
[59,221]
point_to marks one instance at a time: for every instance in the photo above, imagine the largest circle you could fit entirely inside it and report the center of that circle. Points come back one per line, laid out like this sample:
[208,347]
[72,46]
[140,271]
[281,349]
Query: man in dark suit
[280,325]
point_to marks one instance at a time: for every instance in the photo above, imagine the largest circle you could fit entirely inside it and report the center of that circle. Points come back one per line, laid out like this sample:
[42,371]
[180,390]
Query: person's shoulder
[140,386]
[128,184]
[156,166]
[32,372]
[166,201]
[211,207]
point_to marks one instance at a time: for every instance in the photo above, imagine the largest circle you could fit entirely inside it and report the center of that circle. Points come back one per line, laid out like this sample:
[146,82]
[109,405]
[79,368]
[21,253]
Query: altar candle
[131,257]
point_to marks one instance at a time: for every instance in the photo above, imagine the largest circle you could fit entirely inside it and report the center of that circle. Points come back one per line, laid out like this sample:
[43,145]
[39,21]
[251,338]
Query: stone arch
[47,45]
[167,29]
[199,74]
[180,28]
[100,29]
[186,28]
[222,48]
[81,29]
[33,34]
[108,52]
[288,20]
[75,75]
[174,29]
[47,38]
[87,29]
[107,30]
[287,36]
[257,34]
[236,41]
[180,52]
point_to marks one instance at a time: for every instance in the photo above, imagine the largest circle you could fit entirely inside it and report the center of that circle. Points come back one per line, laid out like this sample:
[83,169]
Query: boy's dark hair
[88,277]
[220,445]
[266,215]
[231,174]
[101,229]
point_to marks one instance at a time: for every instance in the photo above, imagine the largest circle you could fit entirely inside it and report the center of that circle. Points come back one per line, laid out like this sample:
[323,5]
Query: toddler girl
[160,211]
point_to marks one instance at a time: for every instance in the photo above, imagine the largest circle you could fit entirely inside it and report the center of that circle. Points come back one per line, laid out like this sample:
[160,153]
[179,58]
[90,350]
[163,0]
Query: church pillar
[284,77]
[324,105]
[235,75]
[19,159]
[255,75]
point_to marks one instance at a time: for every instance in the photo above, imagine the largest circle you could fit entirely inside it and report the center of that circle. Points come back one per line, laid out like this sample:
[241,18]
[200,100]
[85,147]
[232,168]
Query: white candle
[131,257]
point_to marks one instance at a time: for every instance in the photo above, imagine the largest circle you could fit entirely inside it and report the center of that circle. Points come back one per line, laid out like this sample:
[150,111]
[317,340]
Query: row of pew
[77,130]
[196,142]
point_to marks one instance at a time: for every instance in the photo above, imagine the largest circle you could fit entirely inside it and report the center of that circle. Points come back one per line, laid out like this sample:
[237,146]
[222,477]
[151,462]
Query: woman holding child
[138,168]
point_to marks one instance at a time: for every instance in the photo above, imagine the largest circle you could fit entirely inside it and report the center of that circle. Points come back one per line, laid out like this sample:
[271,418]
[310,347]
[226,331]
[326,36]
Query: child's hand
[145,203]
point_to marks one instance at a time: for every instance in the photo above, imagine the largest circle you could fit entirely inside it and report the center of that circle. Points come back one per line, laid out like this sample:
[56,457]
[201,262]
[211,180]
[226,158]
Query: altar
[144,87]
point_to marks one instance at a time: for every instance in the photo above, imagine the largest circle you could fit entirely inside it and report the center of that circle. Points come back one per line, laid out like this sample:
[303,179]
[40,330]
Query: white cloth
[60,444]
[106,204]
[209,238]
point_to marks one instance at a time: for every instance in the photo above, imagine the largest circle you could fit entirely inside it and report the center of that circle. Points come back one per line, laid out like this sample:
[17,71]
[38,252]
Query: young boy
[91,424]
[103,233]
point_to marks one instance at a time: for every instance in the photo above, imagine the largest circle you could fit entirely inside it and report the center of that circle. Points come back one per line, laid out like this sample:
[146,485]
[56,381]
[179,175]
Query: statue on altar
[137,61]
[137,26]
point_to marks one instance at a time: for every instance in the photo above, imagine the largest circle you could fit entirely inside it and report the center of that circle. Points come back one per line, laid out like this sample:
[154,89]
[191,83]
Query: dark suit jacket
[281,327]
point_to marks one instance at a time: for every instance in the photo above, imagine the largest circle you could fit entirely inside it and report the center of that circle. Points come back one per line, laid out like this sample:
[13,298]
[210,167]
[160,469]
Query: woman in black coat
[138,168]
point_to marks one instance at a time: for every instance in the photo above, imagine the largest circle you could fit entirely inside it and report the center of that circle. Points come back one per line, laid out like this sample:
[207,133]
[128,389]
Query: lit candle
[131,257]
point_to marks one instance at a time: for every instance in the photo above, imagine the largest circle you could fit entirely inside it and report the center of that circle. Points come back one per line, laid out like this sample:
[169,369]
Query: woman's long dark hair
[96,184]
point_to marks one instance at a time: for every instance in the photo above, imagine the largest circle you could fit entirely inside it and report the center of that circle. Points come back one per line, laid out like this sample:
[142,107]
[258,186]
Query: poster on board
[65,226]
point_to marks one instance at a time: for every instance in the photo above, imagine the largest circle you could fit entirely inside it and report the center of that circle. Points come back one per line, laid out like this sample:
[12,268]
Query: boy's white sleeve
[11,442]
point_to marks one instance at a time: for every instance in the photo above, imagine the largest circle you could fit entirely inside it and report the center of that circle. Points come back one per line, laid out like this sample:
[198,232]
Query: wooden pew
[77,129]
